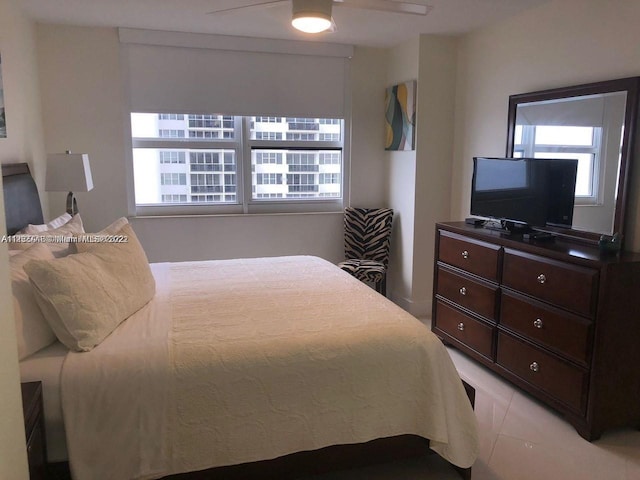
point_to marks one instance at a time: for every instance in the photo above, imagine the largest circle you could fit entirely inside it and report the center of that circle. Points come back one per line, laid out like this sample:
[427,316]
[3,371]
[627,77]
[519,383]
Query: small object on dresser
[34,429]
[538,236]
[476,222]
[610,243]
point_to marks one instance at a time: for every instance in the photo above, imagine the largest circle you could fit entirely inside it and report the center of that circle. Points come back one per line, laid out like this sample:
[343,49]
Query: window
[173,179]
[329,136]
[173,198]
[302,162]
[301,136]
[269,178]
[268,157]
[269,195]
[297,183]
[268,135]
[170,133]
[170,116]
[329,178]
[303,124]
[329,159]
[206,198]
[209,134]
[559,141]
[168,157]
[237,164]
[268,120]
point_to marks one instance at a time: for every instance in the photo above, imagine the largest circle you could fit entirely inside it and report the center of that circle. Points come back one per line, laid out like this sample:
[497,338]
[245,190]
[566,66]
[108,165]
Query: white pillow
[59,247]
[115,227]
[53,224]
[85,296]
[32,330]
[82,244]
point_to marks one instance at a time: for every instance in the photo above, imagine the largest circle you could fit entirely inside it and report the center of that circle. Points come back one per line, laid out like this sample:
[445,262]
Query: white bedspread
[243,360]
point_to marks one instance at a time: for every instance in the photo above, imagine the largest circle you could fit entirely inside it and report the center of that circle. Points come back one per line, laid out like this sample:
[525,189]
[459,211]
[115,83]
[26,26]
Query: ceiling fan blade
[245,7]
[387,6]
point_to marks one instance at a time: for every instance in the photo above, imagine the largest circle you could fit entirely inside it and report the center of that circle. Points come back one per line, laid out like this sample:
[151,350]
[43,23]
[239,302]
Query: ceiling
[354,26]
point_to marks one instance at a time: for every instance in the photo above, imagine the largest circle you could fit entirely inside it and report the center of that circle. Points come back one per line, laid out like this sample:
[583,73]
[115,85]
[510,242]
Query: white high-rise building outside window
[208,159]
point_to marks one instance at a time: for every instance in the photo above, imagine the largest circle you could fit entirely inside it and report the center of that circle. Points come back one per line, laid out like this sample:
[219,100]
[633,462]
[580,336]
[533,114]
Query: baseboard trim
[417,308]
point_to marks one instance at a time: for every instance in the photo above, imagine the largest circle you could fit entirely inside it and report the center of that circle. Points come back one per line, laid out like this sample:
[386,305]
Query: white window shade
[180,79]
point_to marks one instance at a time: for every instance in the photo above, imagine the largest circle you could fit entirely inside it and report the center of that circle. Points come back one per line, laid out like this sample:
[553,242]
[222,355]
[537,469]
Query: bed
[251,365]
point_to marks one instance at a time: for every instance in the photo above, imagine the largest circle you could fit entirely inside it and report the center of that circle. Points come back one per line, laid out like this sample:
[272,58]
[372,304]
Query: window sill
[239,215]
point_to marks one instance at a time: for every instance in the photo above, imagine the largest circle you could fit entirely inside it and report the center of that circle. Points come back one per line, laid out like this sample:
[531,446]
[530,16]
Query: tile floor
[520,439]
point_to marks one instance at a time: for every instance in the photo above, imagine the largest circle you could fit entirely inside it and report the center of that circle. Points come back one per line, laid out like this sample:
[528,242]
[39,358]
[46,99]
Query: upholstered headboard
[21,199]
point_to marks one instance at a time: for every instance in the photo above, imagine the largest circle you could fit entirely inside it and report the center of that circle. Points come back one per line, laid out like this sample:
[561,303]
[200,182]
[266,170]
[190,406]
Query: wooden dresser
[558,319]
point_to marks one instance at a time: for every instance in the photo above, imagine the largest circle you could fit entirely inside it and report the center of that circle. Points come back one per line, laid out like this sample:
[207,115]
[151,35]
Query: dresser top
[560,248]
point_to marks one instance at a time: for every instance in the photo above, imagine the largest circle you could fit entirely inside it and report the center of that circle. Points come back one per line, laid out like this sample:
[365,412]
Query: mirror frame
[631,86]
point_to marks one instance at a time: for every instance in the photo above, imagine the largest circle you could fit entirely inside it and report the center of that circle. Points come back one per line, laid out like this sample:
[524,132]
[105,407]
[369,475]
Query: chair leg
[381,286]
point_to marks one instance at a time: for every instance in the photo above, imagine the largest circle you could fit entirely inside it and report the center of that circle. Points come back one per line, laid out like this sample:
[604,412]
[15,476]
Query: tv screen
[532,191]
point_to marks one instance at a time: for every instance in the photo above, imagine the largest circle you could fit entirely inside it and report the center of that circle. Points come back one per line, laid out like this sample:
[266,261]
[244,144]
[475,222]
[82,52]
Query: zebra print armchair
[367,235]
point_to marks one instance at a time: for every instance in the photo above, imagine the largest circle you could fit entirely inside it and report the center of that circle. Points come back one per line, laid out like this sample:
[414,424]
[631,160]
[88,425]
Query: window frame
[243,146]
[528,148]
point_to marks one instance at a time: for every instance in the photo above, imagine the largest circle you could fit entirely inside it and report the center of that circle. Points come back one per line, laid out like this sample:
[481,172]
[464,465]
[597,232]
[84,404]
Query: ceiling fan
[314,16]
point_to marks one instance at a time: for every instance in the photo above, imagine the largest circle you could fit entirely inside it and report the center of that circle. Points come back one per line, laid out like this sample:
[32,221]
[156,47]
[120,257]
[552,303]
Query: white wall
[368,159]
[13,457]
[241,236]
[84,110]
[23,143]
[562,43]
[419,183]
[434,148]
[402,66]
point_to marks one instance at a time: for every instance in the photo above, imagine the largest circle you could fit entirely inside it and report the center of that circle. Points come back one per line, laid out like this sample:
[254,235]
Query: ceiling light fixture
[311,16]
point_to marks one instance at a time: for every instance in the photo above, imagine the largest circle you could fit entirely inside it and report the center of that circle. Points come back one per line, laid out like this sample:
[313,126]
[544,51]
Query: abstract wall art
[400,116]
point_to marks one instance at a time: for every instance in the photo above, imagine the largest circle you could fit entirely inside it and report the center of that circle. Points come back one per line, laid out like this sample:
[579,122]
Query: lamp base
[72,205]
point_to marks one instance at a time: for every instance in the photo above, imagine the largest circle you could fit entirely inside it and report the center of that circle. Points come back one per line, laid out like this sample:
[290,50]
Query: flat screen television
[524,192]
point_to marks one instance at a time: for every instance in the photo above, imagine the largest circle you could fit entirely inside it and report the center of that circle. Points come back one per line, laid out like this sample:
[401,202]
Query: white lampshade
[68,172]
[311,16]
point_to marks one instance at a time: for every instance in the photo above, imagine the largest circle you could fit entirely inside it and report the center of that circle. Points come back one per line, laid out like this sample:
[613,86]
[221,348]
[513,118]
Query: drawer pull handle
[534,367]
[465,254]
[542,278]
[463,291]
[537,323]
[461,326]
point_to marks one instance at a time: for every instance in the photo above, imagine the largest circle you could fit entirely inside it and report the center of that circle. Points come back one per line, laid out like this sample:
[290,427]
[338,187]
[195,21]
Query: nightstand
[34,429]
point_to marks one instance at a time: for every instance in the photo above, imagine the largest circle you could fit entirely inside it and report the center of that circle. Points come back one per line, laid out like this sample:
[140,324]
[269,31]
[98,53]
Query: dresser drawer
[561,331]
[476,257]
[555,377]
[473,333]
[563,284]
[479,297]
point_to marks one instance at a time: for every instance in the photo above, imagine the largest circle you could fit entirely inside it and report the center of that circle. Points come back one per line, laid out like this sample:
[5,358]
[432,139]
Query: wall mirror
[597,124]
